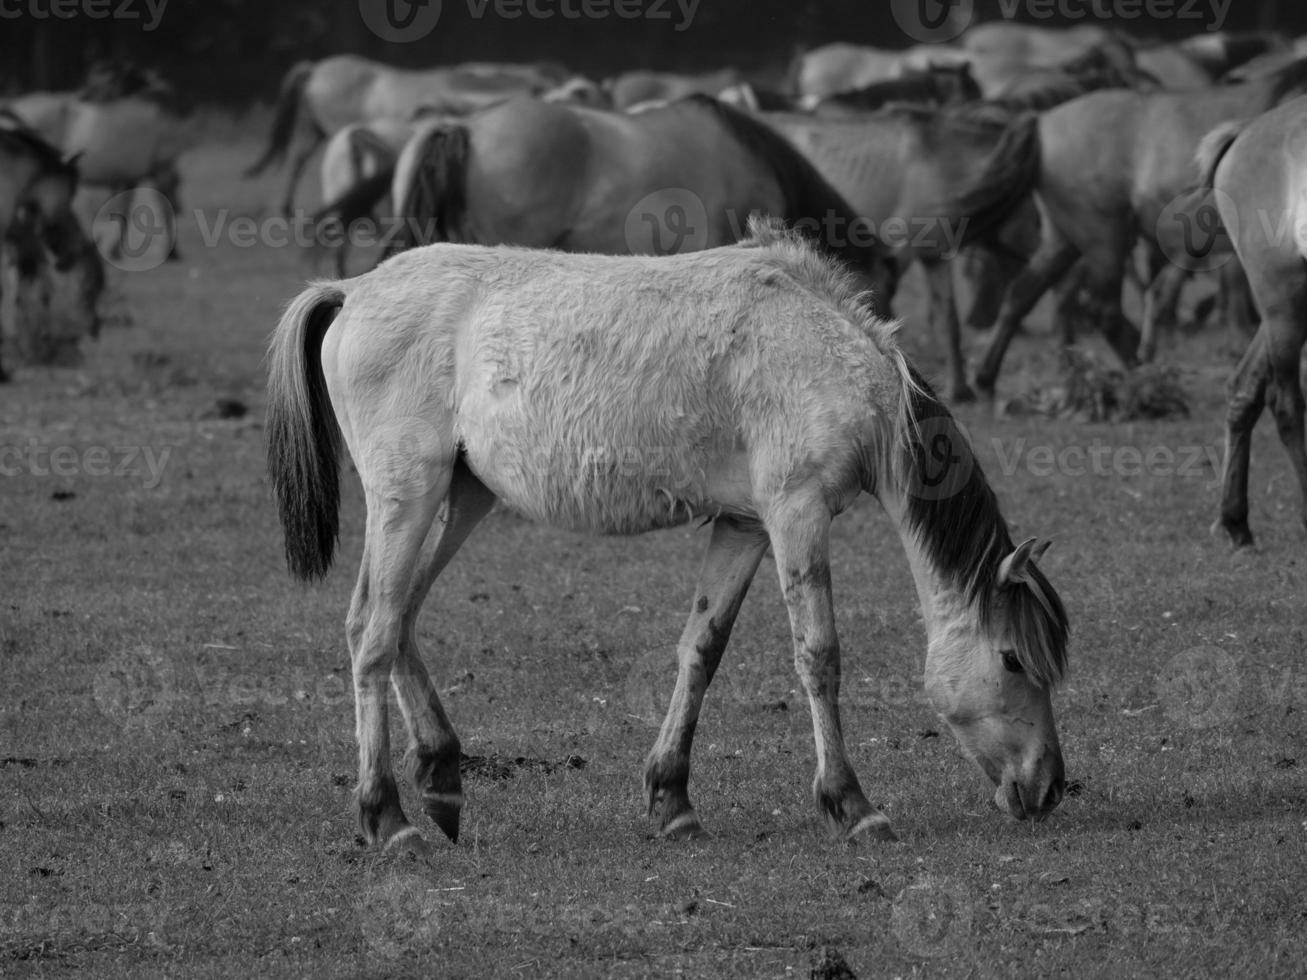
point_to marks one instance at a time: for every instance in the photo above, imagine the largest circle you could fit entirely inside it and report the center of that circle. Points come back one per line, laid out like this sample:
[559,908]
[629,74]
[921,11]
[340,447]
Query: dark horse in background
[56,272]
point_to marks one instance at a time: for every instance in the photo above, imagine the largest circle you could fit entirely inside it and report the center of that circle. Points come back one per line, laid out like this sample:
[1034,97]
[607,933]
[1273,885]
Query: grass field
[176,726]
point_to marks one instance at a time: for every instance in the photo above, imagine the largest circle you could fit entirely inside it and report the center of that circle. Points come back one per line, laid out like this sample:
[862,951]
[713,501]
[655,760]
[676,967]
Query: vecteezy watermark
[674,220]
[932,918]
[121,462]
[146,224]
[933,21]
[939,21]
[137,688]
[941,461]
[405,21]
[1199,688]
[1100,458]
[150,12]
[401,916]
[1195,231]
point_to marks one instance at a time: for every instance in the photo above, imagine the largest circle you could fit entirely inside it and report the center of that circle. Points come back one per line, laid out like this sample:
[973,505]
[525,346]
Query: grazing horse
[935,85]
[1111,163]
[328,95]
[758,392]
[124,127]
[1258,170]
[57,271]
[931,182]
[680,178]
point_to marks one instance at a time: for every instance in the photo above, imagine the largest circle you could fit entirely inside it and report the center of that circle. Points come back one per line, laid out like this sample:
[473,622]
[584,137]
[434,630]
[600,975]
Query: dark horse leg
[1247,398]
[1049,264]
[1286,333]
[947,330]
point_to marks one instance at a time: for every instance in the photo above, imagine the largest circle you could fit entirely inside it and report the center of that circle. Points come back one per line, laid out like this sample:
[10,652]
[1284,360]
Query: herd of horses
[708,265]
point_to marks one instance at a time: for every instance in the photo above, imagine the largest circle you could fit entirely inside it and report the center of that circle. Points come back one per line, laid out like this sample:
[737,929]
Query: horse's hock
[38,324]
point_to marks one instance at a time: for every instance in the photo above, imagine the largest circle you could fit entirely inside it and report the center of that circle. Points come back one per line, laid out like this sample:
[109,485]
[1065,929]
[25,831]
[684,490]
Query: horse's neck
[941,602]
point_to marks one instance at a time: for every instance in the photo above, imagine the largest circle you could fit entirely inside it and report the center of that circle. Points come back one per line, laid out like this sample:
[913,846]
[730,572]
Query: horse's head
[996,629]
[989,673]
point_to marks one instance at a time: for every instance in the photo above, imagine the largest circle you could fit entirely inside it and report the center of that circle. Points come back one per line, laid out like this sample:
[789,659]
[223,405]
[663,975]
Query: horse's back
[615,394]
[1263,180]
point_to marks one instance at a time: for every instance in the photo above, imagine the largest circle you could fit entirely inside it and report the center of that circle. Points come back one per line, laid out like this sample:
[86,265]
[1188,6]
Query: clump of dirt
[1087,390]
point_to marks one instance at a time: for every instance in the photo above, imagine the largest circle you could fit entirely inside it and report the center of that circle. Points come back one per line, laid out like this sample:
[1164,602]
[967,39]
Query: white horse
[749,385]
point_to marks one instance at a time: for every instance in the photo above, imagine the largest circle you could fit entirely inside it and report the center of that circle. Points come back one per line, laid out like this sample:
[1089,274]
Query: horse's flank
[624,417]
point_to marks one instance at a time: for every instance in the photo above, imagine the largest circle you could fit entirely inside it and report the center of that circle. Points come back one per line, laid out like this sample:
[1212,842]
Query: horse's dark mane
[17,134]
[962,531]
[935,84]
[1287,82]
[808,195]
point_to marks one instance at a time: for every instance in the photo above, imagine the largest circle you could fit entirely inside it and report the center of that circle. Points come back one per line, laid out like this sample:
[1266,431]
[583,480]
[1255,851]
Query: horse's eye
[1010,661]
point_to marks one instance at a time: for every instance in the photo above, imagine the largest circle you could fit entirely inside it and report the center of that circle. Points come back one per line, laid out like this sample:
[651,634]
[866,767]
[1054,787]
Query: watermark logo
[1212,13]
[1199,688]
[1195,230]
[400,917]
[402,458]
[138,688]
[941,460]
[400,21]
[931,918]
[148,12]
[669,221]
[144,224]
[1102,459]
[933,21]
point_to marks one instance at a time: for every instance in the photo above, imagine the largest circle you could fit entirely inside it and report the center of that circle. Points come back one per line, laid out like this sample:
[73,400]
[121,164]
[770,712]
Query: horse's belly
[605,482]
[115,145]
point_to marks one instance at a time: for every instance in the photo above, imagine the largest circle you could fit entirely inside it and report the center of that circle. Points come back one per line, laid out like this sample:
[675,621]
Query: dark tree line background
[235,51]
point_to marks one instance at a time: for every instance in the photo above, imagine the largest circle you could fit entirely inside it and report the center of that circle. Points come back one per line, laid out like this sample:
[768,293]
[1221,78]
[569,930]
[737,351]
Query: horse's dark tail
[283,123]
[1212,150]
[359,201]
[1011,174]
[432,204]
[303,435]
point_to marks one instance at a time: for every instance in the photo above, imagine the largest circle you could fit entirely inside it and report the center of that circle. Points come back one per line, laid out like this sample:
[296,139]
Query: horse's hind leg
[800,536]
[728,567]
[948,332]
[433,753]
[397,525]
[1247,398]
[1053,260]
[1286,333]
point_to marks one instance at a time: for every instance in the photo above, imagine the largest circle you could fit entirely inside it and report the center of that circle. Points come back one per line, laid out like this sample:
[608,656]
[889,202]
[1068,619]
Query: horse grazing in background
[53,273]
[1258,171]
[931,182]
[936,85]
[680,178]
[125,126]
[1111,164]
[457,376]
[324,96]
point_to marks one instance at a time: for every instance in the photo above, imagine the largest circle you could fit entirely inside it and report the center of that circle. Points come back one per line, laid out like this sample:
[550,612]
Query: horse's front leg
[800,535]
[728,567]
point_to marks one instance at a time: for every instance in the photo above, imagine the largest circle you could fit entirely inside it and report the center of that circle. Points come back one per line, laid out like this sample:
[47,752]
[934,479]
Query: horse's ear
[1016,566]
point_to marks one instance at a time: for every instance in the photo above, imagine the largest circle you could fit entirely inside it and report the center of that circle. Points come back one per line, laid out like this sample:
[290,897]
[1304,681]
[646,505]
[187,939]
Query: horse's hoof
[686,826]
[409,842]
[874,826]
[444,809]
[1238,532]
